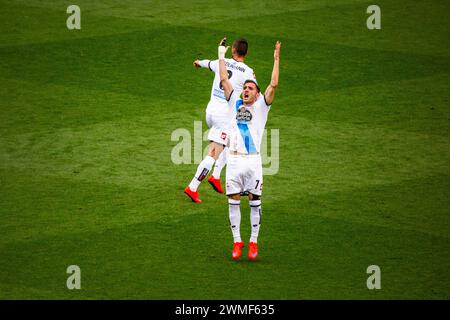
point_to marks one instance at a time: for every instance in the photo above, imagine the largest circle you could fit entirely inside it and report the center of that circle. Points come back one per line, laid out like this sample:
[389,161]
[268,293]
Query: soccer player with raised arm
[244,166]
[218,116]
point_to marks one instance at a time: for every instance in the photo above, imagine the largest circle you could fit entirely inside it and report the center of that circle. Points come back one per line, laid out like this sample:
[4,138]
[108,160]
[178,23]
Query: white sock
[202,171]
[220,163]
[235,218]
[255,218]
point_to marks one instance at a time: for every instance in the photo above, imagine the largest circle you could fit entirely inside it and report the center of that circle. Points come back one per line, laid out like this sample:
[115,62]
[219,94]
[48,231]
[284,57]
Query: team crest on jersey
[243,114]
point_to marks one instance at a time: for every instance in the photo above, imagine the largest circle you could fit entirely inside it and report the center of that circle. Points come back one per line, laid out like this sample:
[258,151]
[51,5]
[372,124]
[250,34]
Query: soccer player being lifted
[218,116]
[244,167]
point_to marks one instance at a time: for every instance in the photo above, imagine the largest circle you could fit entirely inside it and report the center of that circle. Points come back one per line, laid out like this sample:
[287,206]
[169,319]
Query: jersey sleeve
[263,107]
[204,63]
[234,97]
[214,66]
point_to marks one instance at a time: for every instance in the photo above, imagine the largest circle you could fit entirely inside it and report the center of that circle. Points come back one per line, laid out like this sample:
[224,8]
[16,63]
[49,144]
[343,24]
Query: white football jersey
[238,72]
[248,123]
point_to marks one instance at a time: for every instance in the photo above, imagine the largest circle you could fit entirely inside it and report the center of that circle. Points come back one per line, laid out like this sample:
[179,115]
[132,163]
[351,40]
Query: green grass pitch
[86,176]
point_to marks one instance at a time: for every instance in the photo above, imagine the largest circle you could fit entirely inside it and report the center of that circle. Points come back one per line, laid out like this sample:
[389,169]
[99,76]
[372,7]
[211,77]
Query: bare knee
[236,196]
[252,196]
[214,149]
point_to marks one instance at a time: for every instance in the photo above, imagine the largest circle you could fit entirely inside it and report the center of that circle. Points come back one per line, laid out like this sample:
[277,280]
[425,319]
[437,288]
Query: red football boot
[193,195]
[252,250]
[237,250]
[215,183]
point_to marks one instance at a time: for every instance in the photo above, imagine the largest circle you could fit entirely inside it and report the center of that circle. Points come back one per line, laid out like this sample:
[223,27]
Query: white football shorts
[218,128]
[244,173]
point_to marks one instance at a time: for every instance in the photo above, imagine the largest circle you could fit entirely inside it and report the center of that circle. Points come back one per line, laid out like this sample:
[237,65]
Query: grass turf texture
[86,176]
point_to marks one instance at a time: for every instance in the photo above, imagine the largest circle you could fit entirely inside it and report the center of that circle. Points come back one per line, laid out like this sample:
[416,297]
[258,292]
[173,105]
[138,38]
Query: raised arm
[226,84]
[270,91]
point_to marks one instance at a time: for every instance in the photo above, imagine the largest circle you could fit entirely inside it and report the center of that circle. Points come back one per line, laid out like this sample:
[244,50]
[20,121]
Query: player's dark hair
[241,47]
[254,82]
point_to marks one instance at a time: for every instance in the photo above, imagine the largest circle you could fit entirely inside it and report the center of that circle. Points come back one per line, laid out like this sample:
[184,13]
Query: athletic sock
[255,219]
[234,209]
[220,163]
[202,171]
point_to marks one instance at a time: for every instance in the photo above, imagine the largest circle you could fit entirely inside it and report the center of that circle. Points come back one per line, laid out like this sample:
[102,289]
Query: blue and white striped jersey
[248,123]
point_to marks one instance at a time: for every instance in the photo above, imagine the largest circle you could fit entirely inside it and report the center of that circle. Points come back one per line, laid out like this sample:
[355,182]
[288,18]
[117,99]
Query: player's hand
[276,53]
[222,49]
[196,63]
